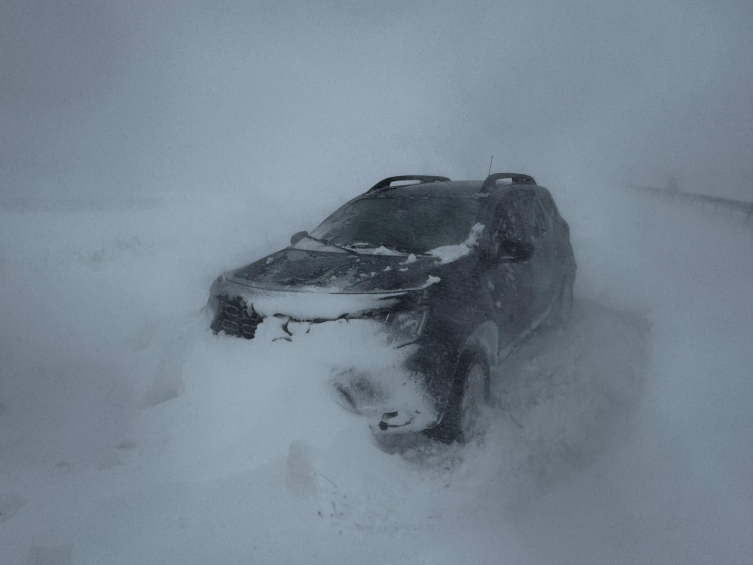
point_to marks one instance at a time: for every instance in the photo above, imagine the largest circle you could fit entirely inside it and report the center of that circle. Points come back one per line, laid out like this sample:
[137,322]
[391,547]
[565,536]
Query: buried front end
[368,341]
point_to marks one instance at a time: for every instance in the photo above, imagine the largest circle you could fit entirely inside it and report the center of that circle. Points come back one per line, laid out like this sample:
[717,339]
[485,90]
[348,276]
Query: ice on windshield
[400,224]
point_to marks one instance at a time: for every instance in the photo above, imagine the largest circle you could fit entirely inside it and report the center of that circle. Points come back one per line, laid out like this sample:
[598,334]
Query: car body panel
[336,272]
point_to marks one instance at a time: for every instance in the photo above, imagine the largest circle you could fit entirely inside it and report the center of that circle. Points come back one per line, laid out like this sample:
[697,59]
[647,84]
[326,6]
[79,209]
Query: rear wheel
[469,398]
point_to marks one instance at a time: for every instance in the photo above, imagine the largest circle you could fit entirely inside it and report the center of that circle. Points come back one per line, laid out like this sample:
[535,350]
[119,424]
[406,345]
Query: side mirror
[296,237]
[514,251]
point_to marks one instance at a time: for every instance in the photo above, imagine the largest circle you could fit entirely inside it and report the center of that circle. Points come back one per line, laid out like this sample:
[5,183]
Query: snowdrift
[130,434]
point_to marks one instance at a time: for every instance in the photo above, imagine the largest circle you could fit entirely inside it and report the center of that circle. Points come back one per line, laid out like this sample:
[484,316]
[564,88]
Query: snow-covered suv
[458,272]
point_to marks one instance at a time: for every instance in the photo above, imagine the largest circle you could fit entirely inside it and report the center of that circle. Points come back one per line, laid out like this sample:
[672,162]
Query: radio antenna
[490,165]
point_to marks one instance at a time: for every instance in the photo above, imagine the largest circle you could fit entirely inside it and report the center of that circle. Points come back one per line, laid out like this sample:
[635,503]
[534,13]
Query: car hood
[300,270]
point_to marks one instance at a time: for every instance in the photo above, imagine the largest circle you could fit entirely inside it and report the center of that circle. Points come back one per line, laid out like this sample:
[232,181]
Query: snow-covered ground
[130,435]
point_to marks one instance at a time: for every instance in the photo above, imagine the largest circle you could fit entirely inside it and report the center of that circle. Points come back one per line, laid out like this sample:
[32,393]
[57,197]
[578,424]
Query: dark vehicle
[458,271]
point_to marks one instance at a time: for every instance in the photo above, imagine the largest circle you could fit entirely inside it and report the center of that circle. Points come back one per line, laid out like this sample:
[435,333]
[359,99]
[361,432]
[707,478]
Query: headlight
[214,291]
[216,284]
[405,326]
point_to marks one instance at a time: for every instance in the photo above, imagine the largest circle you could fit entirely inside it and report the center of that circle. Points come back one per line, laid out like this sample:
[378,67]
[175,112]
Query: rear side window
[533,218]
[511,225]
[521,219]
[548,204]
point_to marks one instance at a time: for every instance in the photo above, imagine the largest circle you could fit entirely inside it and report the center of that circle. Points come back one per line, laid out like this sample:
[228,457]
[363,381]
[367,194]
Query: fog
[106,101]
[147,147]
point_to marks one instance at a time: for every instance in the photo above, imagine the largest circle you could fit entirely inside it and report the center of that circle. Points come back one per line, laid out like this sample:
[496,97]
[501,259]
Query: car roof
[450,189]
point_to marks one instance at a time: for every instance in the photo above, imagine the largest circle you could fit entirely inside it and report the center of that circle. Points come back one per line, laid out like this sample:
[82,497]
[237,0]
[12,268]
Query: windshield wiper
[331,244]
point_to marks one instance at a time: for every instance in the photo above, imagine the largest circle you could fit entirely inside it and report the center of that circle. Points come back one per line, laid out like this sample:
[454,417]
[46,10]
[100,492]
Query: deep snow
[130,434]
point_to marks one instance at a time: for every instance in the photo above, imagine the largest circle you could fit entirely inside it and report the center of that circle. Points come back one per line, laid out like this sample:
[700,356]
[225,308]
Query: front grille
[233,318]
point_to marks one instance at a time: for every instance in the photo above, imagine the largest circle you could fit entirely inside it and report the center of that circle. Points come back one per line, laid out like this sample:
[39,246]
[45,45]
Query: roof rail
[386,184]
[516,178]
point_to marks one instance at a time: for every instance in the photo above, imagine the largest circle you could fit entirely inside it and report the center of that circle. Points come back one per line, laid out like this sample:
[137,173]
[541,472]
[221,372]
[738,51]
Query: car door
[509,284]
[558,238]
[537,232]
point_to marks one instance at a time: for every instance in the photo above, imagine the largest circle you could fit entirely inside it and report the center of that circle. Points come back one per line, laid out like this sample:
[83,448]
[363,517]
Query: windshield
[409,224]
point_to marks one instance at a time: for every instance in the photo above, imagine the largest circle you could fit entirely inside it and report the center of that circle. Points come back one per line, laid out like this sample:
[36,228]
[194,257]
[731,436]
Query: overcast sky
[107,100]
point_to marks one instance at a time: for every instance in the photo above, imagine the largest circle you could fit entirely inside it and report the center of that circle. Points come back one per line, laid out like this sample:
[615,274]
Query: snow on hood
[450,253]
[309,304]
[323,272]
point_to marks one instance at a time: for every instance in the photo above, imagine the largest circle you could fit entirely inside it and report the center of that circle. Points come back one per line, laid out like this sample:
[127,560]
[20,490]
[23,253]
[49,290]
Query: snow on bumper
[393,400]
[367,362]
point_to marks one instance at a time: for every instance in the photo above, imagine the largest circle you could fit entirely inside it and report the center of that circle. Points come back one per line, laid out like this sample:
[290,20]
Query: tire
[470,394]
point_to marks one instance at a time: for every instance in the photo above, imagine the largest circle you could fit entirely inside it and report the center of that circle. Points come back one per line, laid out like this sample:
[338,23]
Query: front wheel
[469,397]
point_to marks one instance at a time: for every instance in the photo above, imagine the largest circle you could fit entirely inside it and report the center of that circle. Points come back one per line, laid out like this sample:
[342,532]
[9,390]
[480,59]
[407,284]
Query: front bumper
[393,398]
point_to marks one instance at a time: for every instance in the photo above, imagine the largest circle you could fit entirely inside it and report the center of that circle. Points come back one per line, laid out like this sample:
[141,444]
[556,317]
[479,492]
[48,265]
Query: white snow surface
[129,434]
[450,253]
